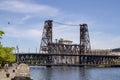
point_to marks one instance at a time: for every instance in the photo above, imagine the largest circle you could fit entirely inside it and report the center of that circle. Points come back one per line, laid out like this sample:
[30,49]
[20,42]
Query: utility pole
[28,50]
[17,54]
[36,50]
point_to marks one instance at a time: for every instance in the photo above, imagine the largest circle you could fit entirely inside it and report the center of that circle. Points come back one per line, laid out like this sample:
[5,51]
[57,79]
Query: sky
[23,22]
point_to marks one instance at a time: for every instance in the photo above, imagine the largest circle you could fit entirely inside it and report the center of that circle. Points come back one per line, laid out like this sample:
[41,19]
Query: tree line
[6,53]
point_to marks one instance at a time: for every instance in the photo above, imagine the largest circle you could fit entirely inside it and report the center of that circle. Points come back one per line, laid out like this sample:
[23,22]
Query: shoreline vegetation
[6,53]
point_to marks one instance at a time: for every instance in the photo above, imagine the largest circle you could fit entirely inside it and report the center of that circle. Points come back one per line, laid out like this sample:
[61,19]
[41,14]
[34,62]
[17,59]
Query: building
[61,41]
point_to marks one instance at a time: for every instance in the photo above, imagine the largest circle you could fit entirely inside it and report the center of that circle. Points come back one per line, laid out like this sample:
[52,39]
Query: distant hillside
[116,50]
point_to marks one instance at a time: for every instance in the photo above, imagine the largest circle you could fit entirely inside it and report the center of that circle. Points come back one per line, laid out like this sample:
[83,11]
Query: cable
[65,24]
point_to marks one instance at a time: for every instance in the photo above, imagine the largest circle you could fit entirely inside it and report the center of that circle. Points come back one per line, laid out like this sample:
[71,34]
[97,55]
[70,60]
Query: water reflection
[48,74]
[74,73]
[84,73]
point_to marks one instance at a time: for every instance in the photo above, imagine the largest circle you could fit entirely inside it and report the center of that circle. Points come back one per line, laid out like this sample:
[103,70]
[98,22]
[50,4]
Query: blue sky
[27,18]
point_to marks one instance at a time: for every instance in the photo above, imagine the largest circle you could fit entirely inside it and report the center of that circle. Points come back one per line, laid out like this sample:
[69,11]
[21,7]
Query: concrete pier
[22,72]
[10,71]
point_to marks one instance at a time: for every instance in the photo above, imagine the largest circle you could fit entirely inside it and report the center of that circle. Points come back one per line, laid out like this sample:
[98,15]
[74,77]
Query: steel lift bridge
[60,54]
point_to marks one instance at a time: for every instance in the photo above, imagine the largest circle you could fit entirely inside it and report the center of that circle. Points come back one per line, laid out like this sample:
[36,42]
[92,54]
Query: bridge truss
[52,53]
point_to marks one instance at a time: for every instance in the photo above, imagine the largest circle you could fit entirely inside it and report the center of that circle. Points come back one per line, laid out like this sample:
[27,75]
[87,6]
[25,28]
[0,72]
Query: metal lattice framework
[46,36]
[47,46]
[85,47]
[46,41]
[59,54]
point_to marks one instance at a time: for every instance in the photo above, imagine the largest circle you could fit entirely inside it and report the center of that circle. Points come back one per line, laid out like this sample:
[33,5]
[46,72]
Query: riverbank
[3,73]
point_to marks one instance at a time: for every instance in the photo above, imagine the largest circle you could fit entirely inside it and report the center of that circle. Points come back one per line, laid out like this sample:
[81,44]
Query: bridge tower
[85,46]
[84,43]
[46,37]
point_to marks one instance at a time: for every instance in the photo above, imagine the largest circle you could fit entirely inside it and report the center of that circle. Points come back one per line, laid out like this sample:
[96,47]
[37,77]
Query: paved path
[3,73]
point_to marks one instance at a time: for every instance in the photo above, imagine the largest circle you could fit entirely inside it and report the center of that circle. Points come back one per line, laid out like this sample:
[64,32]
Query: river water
[74,73]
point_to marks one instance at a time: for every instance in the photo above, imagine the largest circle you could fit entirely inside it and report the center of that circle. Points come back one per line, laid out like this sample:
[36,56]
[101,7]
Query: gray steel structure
[85,46]
[46,37]
[88,59]
[67,54]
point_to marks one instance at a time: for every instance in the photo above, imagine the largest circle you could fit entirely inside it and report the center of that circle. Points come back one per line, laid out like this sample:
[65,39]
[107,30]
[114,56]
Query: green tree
[6,53]
[1,33]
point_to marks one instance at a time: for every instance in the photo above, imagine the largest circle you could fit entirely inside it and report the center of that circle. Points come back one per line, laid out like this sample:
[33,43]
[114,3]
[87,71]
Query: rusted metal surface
[46,36]
[85,46]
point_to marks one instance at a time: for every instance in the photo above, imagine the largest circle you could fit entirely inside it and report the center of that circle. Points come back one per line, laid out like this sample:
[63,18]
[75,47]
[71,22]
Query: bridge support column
[84,47]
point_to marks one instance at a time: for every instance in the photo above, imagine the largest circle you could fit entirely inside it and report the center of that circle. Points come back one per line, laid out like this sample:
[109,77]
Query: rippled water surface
[74,73]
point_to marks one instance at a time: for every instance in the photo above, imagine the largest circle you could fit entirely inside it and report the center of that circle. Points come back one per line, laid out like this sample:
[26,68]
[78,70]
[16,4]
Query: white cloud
[100,40]
[23,19]
[32,34]
[24,7]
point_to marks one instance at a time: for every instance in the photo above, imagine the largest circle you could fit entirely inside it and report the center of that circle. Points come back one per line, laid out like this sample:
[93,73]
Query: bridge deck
[68,59]
[43,54]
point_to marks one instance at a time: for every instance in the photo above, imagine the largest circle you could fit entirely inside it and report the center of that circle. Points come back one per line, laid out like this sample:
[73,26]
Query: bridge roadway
[42,59]
[44,54]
